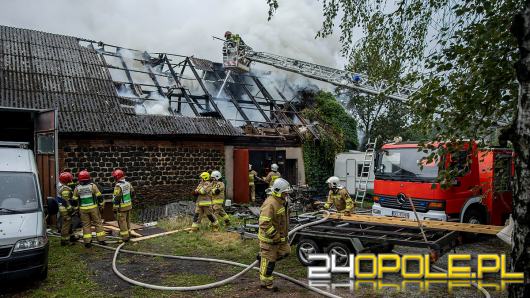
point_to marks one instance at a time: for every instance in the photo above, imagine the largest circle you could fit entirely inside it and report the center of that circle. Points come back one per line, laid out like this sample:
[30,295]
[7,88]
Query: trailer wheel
[341,251]
[304,248]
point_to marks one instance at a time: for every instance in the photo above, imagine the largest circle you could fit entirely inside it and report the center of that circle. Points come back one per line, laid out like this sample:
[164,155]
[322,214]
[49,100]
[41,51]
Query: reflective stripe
[126,199]
[281,210]
[218,201]
[264,218]
[264,239]
[194,225]
[88,207]
[226,217]
[85,236]
[100,234]
[126,204]
[205,203]
[266,278]
[270,231]
[124,233]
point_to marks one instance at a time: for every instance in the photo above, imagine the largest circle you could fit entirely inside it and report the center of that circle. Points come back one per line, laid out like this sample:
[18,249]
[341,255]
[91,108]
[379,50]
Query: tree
[463,54]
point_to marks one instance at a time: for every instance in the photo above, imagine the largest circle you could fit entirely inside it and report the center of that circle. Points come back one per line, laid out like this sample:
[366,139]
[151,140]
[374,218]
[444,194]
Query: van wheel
[341,252]
[44,274]
[304,248]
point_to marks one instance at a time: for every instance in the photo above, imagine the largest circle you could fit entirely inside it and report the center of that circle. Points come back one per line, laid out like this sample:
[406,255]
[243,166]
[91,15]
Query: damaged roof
[49,71]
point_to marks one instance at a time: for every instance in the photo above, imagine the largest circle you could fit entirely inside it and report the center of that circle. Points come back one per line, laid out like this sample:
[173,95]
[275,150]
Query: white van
[23,240]
[348,166]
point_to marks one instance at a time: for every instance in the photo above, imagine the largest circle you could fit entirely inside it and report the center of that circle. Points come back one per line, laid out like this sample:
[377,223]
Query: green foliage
[338,132]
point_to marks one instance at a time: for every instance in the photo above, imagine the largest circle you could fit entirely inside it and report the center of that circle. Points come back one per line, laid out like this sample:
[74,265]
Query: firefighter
[273,174]
[122,200]
[252,175]
[232,37]
[273,229]
[64,196]
[203,205]
[89,199]
[218,197]
[338,196]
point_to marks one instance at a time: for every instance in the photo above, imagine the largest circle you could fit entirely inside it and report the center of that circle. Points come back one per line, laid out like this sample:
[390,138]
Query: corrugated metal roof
[42,71]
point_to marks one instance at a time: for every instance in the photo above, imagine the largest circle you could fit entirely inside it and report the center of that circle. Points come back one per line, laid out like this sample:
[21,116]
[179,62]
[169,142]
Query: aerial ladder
[237,57]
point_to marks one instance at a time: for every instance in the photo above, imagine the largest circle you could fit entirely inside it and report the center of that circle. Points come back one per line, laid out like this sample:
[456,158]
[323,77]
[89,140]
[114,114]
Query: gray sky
[182,26]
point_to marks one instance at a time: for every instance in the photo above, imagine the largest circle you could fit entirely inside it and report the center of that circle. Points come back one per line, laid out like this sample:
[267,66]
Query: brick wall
[160,171]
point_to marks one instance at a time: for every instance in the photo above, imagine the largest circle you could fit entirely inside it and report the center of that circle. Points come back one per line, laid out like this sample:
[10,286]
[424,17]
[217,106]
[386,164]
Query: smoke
[182,27]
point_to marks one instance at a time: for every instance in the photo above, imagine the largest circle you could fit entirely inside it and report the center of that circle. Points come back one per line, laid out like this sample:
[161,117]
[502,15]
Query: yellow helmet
[205,176]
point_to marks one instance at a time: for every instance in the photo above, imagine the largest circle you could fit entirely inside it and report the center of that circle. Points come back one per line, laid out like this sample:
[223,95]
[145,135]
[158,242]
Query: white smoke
[184,26]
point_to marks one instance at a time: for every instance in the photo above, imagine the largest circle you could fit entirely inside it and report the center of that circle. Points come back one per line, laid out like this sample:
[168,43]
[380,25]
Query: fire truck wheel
[341,252]
[304,248]
[474,216]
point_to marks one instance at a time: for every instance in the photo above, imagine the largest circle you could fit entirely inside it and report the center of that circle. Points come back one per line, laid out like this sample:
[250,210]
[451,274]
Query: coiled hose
[217,283]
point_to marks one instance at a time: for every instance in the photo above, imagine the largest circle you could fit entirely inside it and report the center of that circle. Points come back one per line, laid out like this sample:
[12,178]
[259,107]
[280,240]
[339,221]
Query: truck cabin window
[404,164]
[18,193]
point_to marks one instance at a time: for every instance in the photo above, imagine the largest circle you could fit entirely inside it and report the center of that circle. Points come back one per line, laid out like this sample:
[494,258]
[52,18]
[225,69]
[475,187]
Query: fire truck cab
[482,194]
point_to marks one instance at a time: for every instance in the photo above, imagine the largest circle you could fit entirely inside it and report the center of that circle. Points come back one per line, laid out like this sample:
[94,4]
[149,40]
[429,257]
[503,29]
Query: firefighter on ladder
[64,198]
[90,201]
[252,175]
[122,200]
[338,196]
[273,175]
[273,231]
[203,205]
[218,197]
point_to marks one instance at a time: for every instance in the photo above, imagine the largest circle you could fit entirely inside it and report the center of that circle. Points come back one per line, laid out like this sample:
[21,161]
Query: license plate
[400,214]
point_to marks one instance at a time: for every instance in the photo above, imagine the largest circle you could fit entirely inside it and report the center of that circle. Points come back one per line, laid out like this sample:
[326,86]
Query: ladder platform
[440,225]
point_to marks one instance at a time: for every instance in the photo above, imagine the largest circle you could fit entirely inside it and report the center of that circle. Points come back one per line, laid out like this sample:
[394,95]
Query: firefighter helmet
[274,167]
[205,176]
[83,176]
[118,174]
[216,175]
[280,186]
[227,34]
[66,177]
[333,182]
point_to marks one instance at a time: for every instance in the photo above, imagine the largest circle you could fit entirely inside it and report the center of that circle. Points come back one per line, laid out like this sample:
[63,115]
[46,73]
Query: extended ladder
[360,191]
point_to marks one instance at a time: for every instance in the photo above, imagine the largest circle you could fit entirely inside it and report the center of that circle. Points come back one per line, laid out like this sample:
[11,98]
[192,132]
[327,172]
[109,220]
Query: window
[459,161]
[45,143]
[18,192]
[502,173]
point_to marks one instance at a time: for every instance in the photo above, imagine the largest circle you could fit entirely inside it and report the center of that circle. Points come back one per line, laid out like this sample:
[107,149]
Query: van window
[18,192]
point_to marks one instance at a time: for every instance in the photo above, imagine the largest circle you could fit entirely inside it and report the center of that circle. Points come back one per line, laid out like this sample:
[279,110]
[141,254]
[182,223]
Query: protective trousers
[252,190]
[220,212]
[91,217]
[270,254]
[67,222]
[200,212]
[124,222]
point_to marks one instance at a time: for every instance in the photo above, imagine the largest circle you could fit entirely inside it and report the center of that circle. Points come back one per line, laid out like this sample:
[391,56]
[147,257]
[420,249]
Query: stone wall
[160,171]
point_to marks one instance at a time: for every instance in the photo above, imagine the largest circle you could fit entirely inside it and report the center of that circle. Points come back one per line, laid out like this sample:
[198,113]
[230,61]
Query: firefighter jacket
[273,221]
[340,199]
[64,195]
[87,195]
[251,176]
[123,195]
[203,190]
[272,176]
[217,192]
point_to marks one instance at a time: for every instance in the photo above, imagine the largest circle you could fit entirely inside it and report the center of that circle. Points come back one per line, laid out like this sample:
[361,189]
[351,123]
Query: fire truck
[481,194]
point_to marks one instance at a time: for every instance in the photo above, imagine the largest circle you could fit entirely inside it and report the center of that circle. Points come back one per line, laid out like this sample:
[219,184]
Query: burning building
[163,118]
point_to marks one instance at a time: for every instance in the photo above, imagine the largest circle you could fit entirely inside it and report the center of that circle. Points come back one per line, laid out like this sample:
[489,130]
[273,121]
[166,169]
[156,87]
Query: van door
[351,174]
[46,144]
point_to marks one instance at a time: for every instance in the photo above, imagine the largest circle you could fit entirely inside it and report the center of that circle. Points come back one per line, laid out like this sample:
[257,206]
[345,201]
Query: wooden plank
[115,224]
[158,235]
[431,224]
[113,228]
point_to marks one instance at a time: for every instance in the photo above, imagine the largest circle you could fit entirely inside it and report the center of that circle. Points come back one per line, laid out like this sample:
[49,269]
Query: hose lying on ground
[214,284]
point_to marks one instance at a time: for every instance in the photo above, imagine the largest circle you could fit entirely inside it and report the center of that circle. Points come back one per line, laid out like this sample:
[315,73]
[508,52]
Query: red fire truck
[481,194]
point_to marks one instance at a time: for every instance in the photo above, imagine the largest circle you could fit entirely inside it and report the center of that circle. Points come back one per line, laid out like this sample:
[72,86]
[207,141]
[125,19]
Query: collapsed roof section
[168,84]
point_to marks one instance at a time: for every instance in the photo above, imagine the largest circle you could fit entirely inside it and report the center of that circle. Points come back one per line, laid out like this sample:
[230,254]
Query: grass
[68,274]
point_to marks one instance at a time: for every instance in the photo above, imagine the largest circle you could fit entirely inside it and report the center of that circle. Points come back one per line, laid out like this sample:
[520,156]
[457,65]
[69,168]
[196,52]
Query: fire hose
[214,284]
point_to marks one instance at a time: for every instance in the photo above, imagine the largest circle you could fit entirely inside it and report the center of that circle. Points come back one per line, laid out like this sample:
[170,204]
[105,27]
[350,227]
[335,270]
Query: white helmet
[334,182]
[280,186]
[249,167]
[216,175]
[274,167]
